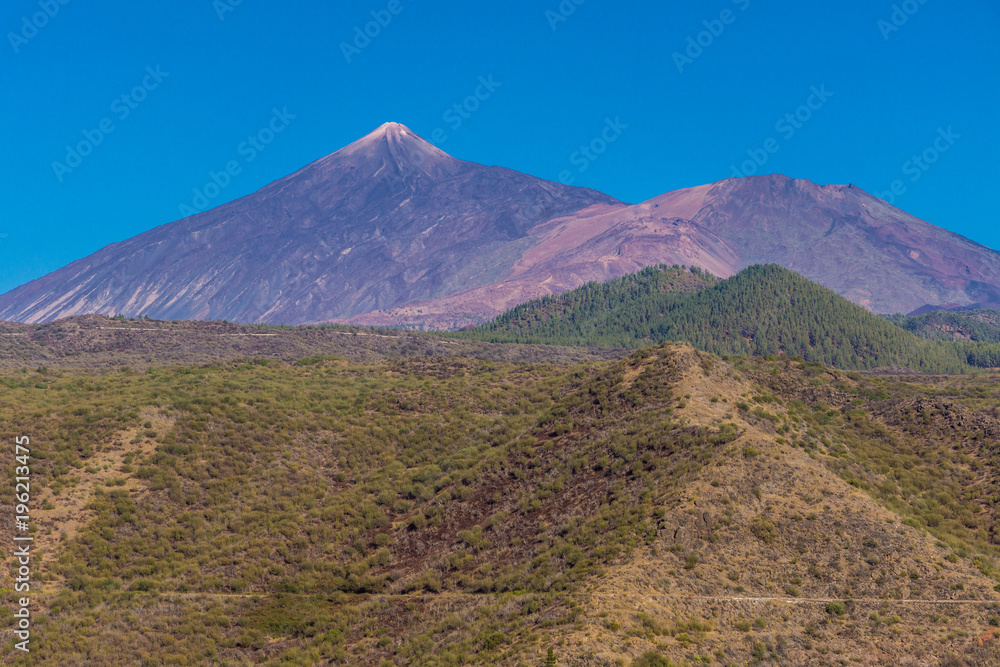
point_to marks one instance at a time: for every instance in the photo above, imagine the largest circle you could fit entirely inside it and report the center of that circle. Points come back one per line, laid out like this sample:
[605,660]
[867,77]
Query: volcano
[388,220]
[390,230]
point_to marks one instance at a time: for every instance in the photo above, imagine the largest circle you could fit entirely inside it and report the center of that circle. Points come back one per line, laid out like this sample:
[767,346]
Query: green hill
[764,310]
[980,326]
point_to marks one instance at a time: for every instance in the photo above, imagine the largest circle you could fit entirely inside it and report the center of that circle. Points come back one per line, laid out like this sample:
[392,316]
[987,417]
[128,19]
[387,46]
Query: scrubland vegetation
[211,493]
[422,510]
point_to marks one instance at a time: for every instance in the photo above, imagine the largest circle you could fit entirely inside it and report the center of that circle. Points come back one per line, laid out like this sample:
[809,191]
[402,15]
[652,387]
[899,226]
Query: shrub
[652,659]
[835,609]
[143,585]
[764,530]
[651,624]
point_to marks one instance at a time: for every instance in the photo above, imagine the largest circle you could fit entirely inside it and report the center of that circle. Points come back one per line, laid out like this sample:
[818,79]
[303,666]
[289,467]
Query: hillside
[594,300]
[764,310]
[98,343]
[453,511]
[977,325]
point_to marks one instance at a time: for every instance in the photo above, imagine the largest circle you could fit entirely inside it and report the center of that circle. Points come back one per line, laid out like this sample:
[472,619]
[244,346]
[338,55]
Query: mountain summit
[395,147]
[385,221]
[392,230]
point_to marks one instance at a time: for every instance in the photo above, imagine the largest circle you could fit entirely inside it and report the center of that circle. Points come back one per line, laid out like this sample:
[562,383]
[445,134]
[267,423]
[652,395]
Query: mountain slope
[982,326]
[762,310]
[596,245]
[387,220]
[839,236]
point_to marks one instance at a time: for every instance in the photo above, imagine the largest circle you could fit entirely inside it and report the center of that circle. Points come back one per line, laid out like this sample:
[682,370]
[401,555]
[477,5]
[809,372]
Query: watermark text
[248,150]
[22,541]
[121,108]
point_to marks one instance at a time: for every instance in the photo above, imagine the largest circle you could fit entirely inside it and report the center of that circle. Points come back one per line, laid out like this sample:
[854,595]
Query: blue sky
[161,96]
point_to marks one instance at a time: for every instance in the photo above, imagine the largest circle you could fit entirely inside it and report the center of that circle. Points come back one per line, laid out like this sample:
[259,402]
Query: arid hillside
[669,508]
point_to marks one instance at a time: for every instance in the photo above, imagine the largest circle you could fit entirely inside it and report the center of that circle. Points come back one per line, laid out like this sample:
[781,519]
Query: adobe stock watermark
[901,13]
[459,112]
[363,36]
[588,153]
[121,108]
[23,552]
[918,164]
[31,25]
[455,117]
[248,150]
[562,13]
[223,7]
[697,44]
[786,126]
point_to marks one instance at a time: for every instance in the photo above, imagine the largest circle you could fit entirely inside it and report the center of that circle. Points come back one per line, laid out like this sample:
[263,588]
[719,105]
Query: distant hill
[764,310]
[547,316]
[981,326]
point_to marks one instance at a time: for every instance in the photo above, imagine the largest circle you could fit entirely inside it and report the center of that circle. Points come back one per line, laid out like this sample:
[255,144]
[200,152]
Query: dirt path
[171,331]
[641,596]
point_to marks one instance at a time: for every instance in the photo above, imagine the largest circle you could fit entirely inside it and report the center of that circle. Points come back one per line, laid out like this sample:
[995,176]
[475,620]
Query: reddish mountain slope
[844,238]
[598,244]
[837,235]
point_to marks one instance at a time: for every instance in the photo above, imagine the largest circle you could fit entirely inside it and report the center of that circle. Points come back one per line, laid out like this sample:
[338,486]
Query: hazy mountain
[390,230]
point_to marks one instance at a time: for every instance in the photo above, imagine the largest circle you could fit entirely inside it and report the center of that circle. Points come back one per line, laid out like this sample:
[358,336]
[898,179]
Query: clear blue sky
[219,80]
